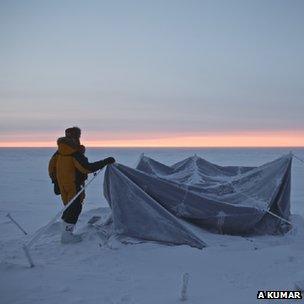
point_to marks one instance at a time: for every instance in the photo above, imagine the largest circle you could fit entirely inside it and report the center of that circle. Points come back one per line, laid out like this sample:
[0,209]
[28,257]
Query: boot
[67,236]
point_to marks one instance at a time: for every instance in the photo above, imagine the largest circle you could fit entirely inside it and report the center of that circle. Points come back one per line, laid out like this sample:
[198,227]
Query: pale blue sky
[173,66]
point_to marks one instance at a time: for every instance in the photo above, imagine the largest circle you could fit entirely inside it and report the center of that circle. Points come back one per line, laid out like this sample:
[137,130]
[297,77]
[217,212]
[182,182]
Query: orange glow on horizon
[243,139]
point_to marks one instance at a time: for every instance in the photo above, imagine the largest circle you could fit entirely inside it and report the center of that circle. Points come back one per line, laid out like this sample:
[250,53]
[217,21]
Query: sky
[152,73]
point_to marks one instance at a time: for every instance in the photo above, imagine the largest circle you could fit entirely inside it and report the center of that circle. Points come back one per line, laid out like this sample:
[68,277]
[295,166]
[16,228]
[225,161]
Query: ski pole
[43,229]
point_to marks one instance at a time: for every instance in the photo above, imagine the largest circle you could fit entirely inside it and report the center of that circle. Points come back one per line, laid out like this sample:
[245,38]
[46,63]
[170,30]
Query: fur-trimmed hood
[66,146]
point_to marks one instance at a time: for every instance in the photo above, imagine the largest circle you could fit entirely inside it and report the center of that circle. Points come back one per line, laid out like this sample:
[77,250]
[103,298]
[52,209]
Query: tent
[155,201]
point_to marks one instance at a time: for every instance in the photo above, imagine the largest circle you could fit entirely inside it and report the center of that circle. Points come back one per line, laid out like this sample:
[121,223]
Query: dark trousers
[71,214]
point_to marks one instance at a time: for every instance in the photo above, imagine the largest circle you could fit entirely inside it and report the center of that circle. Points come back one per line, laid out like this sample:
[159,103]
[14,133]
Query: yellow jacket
[68,164]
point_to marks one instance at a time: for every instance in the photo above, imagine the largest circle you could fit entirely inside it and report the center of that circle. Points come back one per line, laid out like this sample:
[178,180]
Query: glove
[109,160]
[56,187]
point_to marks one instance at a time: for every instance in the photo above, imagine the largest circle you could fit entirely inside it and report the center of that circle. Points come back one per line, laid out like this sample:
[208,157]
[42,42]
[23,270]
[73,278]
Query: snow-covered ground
[230,270]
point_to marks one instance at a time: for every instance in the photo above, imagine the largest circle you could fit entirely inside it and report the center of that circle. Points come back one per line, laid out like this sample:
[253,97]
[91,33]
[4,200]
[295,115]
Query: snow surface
[230,270]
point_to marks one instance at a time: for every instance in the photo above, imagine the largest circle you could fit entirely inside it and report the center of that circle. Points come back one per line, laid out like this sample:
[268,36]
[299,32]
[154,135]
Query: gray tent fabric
[137,215]
[227,199]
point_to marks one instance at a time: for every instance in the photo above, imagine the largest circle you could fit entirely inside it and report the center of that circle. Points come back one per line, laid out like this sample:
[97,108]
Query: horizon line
[153,147]
[253,140]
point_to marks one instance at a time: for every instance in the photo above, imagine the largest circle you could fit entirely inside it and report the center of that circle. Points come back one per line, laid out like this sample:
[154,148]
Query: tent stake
[185,281]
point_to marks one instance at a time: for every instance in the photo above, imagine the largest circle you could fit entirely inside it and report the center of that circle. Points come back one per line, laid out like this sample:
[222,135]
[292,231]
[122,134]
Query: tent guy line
[43,229]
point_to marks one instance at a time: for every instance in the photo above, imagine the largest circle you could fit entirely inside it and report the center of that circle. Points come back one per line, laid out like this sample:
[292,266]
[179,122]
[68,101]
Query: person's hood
[66,146]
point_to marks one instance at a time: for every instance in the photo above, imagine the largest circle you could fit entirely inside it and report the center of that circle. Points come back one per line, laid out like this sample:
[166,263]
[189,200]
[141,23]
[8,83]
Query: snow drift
[149,201]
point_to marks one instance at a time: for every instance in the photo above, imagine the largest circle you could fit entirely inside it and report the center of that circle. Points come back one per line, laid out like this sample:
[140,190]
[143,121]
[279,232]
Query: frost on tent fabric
[149,201]
[138,215]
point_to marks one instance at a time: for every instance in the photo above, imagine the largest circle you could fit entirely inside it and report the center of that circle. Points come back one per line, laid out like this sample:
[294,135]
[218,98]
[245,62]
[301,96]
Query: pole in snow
[26,247]
[16,223]
[28,256]
[184,287]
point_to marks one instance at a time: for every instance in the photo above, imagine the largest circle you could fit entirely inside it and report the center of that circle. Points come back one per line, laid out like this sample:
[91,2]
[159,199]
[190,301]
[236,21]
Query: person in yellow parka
[74,134]
[68,168]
